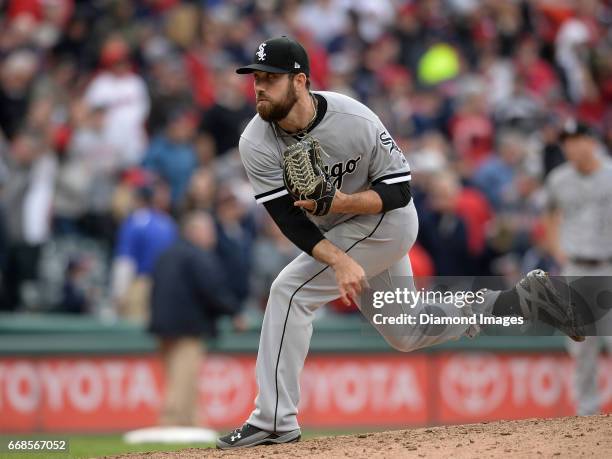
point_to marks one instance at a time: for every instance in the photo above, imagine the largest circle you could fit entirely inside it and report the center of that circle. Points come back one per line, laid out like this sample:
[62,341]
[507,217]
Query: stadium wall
[79,375]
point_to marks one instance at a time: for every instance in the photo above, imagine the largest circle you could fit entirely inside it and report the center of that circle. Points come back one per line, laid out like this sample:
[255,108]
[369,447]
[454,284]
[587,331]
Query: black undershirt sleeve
[393,196]
[294,224]
[304,234]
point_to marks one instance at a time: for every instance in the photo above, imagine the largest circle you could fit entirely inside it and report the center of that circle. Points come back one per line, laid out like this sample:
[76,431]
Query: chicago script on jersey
[338,170]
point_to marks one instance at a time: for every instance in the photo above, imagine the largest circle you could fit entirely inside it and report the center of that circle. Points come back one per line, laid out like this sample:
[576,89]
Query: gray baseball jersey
[359,152]
[584,200]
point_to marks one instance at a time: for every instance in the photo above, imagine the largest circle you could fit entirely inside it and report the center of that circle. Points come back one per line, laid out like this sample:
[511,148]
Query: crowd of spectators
[118,119]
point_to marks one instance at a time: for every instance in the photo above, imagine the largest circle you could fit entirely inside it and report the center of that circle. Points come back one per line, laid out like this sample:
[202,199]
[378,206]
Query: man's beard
[276,112]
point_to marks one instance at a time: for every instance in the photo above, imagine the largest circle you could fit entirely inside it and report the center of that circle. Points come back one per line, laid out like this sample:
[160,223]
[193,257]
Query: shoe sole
[549,286]
[287,438]
[273,442]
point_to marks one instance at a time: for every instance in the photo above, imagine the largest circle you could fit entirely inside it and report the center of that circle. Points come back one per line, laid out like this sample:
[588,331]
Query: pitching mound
[535,438]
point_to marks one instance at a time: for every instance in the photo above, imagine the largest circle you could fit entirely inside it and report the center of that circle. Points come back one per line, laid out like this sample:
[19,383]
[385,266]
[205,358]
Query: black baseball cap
[279,55]
[573,128]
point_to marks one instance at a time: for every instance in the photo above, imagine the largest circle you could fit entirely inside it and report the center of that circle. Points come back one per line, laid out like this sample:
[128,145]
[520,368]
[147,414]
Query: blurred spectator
[143,235]
[272,251]
[592,107]
[520,110]
[572,49]
[442,232]
[552,155]
[318,56]
[75,299]
[123,94]
[76,43]
[236,235]
[498,75]
[169,88]
[540,255]
[206,149]
[171,154]
[29,196]
[324,19]
[471,128]
[431,112]
[374,17]
[87,176]
[495,176]
[537,75]
[228,116]
[17,72]
[201,192]
[472,206]
[191,289]
[56,90]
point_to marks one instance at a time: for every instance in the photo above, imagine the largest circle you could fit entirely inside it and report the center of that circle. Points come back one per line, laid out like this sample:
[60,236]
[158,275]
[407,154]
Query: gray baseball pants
[380,244]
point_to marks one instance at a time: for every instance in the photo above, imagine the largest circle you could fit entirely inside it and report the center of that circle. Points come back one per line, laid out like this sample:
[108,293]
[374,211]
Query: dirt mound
[589,436]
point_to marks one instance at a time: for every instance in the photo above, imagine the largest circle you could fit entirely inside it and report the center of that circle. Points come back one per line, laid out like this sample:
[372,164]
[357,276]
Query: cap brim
[263,68]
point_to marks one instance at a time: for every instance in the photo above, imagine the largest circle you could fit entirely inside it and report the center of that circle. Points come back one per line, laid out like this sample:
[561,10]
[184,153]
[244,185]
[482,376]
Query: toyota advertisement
[92,394]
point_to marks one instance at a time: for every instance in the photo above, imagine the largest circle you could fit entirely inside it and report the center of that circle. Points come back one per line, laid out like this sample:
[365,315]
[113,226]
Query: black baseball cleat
[248,435]
[540,299]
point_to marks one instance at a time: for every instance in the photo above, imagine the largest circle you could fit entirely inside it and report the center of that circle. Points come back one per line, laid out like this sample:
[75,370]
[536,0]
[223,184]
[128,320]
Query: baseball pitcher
[338,186]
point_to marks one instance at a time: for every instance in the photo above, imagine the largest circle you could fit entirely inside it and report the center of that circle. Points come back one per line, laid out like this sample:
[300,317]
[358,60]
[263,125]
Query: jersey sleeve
[388,164]
[264,172]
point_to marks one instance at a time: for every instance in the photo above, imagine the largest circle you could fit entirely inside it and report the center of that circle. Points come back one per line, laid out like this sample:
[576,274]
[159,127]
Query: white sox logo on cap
[278,55]
[261,54]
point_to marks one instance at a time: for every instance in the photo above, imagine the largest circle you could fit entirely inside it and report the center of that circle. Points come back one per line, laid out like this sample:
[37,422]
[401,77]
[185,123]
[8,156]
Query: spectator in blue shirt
[143,235]
[496,175]
[235,236]
[171,154]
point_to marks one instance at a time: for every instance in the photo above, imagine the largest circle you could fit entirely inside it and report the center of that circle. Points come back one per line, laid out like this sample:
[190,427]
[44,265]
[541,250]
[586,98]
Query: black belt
[593,262]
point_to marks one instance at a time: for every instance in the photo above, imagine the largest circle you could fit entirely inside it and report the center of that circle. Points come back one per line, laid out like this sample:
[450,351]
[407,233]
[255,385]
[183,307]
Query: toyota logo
[226,386]
[473,384]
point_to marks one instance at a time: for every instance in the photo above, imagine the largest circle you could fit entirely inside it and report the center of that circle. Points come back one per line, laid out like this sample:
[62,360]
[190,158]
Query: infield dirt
[589,436]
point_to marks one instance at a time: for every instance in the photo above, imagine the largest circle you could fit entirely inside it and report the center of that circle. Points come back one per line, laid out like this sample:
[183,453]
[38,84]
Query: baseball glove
[305,177]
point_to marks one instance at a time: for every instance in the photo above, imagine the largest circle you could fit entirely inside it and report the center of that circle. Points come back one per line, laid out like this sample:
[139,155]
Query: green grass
[104,445]
[92,446]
